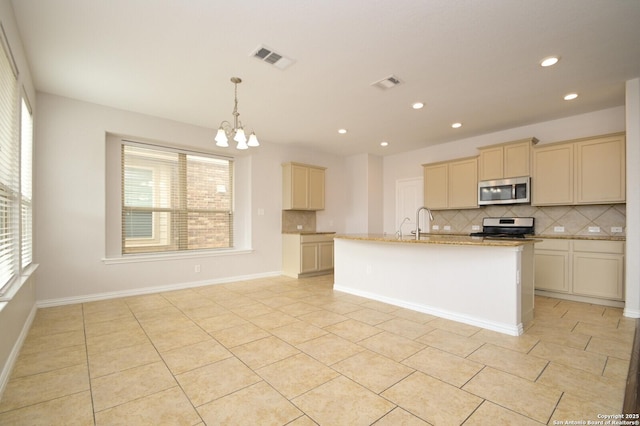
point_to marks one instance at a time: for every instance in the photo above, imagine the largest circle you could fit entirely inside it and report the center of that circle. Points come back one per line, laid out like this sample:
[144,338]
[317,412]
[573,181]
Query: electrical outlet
[558,229]
[616,229]
[475,227]
[447,228]
[197,269]
[435,227]
[299,227]
[594,229]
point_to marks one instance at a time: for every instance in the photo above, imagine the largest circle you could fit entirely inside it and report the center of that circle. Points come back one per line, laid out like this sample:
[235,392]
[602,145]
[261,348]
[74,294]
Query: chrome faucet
[399,233]
[418,220]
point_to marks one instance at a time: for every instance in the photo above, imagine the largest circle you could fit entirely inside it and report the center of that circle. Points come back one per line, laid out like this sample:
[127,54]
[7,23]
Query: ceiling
[469,61]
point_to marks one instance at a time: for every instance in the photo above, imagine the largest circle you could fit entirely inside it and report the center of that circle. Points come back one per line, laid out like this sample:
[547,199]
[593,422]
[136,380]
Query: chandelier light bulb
[242,144]
[221,138]
[240,137]
[253,140]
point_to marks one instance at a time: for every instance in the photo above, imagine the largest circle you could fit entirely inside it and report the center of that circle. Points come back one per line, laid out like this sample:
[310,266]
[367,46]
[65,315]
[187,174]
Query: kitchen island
[483,282]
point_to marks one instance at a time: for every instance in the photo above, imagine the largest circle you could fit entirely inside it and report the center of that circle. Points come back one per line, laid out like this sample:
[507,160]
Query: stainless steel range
[506,227]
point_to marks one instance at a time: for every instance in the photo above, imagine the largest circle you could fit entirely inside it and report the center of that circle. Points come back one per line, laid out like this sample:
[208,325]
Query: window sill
[18,283]
[159,257]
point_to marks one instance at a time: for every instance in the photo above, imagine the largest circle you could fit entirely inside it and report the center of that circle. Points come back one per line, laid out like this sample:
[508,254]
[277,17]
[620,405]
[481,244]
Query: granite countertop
[584,237]
[555,236]
[309,232]
[448,239]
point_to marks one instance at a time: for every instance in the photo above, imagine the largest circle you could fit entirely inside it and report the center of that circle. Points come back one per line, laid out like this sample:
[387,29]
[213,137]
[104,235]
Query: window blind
[9,168]
[175,200]
[26,191]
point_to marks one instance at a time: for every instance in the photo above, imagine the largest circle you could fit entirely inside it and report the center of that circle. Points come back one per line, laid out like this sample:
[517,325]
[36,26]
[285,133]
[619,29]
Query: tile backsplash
[576,220]
[292,218]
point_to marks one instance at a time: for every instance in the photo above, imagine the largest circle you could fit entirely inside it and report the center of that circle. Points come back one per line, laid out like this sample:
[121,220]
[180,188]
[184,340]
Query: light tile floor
[281,351]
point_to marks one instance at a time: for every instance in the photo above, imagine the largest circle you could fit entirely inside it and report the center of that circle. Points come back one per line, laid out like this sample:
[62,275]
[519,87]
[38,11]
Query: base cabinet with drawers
[307,254]
[583,268]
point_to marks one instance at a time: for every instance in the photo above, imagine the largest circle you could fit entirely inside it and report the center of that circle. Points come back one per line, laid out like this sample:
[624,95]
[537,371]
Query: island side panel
[478,285]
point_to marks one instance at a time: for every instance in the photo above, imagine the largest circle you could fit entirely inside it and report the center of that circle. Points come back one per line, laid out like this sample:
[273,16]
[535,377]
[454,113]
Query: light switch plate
[616,229]
[447,228]
[558,229]
[435,227]
[594,229]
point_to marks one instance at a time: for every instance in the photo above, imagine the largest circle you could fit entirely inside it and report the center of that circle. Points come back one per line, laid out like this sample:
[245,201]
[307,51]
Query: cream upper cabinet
[585,171]
[506,160]
[451,184]
[436,182]
[302,187]
[601,170]
[552,177]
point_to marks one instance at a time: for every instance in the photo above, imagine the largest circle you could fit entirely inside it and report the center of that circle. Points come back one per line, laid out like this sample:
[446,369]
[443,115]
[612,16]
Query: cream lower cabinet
[552,265]
[583,268]
[307,254]
[598,269]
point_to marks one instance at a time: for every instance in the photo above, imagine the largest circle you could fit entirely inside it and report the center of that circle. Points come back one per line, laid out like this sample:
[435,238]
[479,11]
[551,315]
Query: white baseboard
[149,290]
[5,374]
[583,299]
[454,316]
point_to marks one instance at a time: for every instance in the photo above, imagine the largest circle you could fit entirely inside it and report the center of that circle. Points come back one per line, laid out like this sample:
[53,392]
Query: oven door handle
[513,191]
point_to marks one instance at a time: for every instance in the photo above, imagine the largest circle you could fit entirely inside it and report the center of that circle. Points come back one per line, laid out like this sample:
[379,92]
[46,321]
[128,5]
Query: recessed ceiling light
[551,60]
[570,96]
[342,131]
[417,105]
[384,143]
[456,125]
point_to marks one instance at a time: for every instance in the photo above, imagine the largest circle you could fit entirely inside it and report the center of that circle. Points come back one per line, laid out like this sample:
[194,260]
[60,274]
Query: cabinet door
[600,170]
[552,270]
[308,257]
[325,253]
[490,163]
[436,186]
[598,275]
[316,189]
[517,159]
[463,184]
[299,187]
[552,180]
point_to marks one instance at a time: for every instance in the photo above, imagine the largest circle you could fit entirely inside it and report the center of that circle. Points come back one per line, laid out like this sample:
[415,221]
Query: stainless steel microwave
[504,191]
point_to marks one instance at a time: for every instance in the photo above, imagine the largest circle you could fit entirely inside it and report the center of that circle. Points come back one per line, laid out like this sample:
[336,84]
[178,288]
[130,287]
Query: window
[9,182]
[175,200]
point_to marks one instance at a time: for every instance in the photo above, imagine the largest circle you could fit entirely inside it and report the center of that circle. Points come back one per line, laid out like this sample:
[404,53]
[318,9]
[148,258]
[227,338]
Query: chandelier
[228,132]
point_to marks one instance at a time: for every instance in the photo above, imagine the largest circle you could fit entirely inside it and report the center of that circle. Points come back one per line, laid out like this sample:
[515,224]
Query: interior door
[409,197]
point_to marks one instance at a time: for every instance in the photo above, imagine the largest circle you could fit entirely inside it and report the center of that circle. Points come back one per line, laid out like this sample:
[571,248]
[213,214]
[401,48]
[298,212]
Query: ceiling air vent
[266,54]
[387,82]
